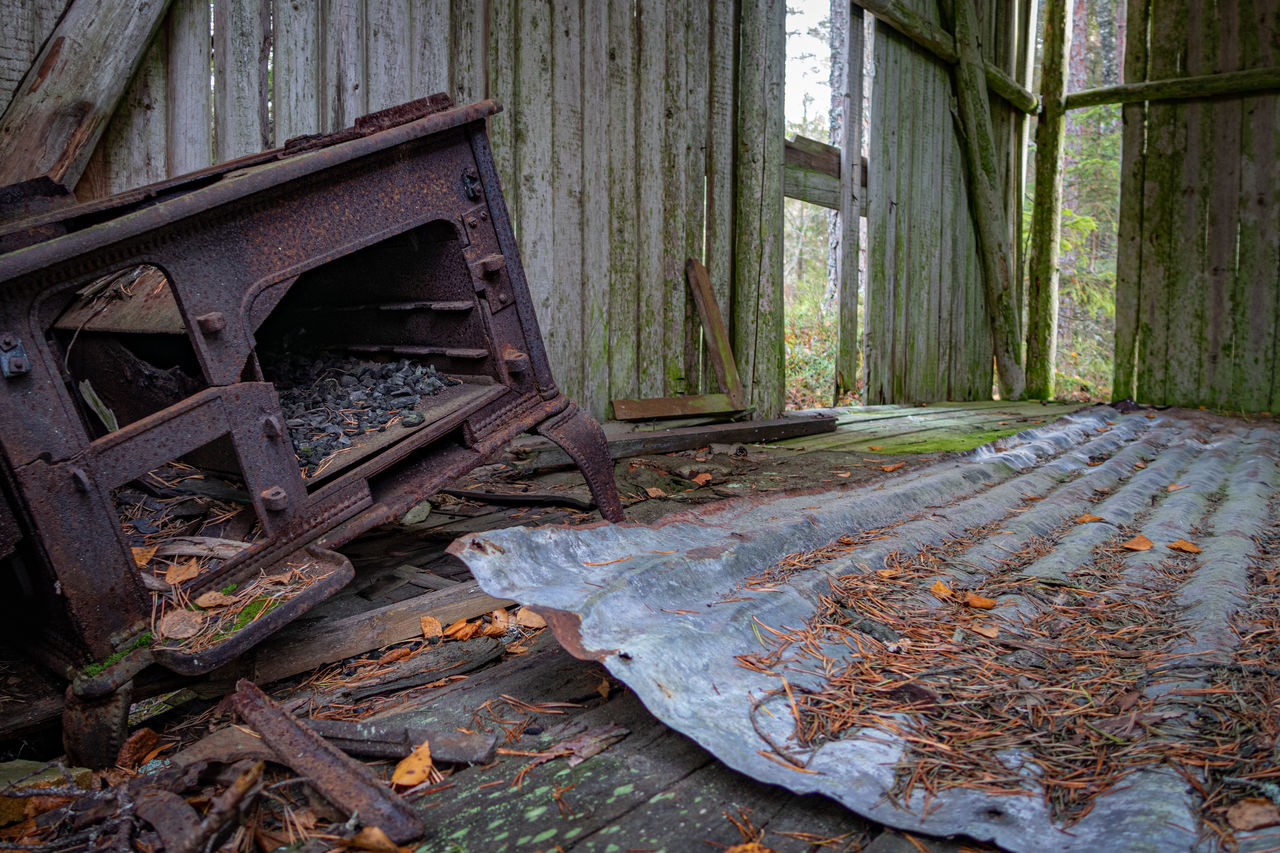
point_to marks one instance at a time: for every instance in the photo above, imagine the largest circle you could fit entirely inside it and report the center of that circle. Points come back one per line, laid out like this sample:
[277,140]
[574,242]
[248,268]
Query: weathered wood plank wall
[1198,272]
[927,334]
[636,133]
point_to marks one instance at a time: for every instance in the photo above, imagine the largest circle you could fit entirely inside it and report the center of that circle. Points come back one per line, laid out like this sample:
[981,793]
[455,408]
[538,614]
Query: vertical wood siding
[1198,272]
[927,332]
[635,133]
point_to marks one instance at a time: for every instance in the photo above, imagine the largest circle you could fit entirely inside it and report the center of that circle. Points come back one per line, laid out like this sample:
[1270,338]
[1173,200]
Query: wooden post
[986,203]
[1046,216]
[850,201]
[64,102]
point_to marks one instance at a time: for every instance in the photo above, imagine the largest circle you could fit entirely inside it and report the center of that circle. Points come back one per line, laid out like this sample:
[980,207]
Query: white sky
[806,75]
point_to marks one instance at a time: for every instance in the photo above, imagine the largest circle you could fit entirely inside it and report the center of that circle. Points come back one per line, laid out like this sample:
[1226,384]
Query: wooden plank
[503,87]
[295,74]
[562,332]
[717,337]
[987,205]
[650,245]
[689,438]
[593,393]
[622,138]
[341,63]
[675,139]
[388,66]
[532,124]
[187,94]
[696,76]
[684,406]
[810,186]
[468,49]
[240,44]
[301,648]
[1129,241]
[1046,219]
[881,194]
[134,142]
[429,49]
[721,120]
[1250,81]
[911,316]
[1256,286]
[71,89]
[851,194]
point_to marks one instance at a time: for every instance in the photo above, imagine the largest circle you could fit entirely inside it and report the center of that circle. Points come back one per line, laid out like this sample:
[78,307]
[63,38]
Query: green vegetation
[94,669]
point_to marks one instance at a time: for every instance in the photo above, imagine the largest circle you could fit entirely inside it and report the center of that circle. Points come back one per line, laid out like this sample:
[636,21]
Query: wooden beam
[684,406]
[810,186]
[987,204]
[714,332]
[852,192]
[942,45]
[1232,83]
[811,172]
[1046,216]
[67,97]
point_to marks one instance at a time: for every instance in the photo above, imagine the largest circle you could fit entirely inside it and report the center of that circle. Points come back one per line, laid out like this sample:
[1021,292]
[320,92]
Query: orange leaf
[1086,518]
[1104,429]
[894,467]
[1253,813]
[1109,423]
[1185,547]
[396,654]
[183,573]
[529,619]
[499,622]
[142,556]
[431,628]
[842,474]
[1176,487]
[941,590]
[1151,415]
[979,602]
[874,447]
[1137,543]
[460,630]
[655,492]
[603,687]
[415,768]
[1139,464]
[702,479]
[988,631]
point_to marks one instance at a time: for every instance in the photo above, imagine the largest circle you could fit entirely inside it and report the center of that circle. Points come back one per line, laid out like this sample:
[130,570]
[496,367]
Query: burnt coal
[330,398]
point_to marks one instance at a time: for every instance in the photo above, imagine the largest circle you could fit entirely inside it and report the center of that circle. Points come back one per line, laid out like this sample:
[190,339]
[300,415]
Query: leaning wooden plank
[1251,81]
[72,88]
[304,647]
[1046,217]
[714,333]
[684,406]
[940,43]
[688,438]
[986,203]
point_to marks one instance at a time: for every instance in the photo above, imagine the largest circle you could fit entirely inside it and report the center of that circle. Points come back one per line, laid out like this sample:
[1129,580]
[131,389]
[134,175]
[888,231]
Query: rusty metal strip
[345,782]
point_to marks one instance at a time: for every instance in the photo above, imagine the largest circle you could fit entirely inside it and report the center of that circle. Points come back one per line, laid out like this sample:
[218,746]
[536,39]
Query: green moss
[229,588]
[93,669]
[947,443]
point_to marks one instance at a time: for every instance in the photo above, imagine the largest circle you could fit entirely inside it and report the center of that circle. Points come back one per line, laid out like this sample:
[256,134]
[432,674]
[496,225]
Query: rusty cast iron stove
[311,340]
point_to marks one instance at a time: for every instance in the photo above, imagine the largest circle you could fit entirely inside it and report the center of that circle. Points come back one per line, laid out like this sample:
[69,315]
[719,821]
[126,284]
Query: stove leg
[93,730]
[581,437]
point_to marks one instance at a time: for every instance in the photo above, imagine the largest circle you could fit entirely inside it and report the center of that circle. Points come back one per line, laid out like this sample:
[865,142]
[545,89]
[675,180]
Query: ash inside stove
[330,399]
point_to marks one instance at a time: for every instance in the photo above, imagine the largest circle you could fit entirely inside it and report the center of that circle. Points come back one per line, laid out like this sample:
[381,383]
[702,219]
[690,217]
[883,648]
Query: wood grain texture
[71,89]
[675,141]
[849,207]
[341,63]
[650,197]
[696,77]
[563,334]
[388,75]
[240,43]
[1129,240]
[429,45]
[190,103]
[296,73]
[593,392]
[621,140]
[135,139]
[721,121]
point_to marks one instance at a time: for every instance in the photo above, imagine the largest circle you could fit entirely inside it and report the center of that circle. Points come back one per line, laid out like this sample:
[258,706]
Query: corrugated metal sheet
[676,611]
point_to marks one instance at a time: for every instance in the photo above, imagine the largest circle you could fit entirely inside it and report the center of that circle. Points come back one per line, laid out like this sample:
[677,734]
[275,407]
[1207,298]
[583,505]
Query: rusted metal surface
[143,329]
[345,782]
[710,618]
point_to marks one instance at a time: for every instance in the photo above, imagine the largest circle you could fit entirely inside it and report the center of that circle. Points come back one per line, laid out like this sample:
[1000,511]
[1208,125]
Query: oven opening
[377,348]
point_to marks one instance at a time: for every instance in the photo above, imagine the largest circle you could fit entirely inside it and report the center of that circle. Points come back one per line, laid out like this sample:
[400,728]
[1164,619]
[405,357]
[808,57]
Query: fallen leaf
[183,573]
[528,619]
[1185,547]
[702,479]
[135,749]
[181,624]
[1139,464]
[431,627]
[1253,813]
[1109,423]
[142,556]
[655,492]
[1087,517]
[374,839]
[941,590]
[988,631]
[749,847]
[603,688]
[1002,423]
[874,447]
[499,622]
[842,474]
[1104,429]
[213,598]
[979,602]
[396,654]
[894,467]
[461,630]
[1151,415]
[1177,487]
[415,768]
[1137,543]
